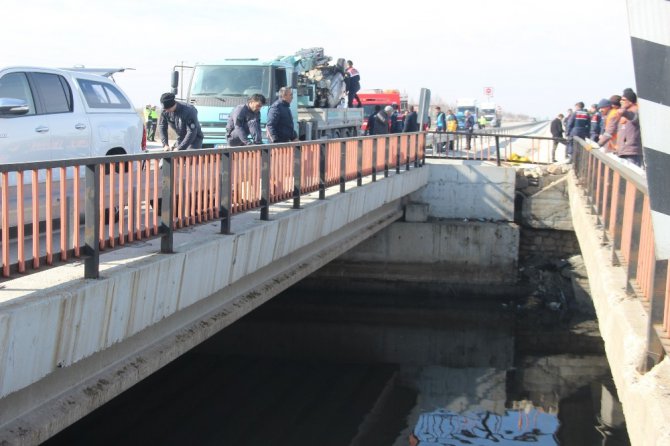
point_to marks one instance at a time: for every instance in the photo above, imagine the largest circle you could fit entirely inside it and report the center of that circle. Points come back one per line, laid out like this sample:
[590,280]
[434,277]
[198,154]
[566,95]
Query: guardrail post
[167,192]
[92,222]
[297,176]
[497,150]
[408,160]
[322,171]
[416,151]
[265,184]
[655,350]
[359,163]
[397,154]
[225,186]
[387,149]
[635,239]
[374,159]
[343,166]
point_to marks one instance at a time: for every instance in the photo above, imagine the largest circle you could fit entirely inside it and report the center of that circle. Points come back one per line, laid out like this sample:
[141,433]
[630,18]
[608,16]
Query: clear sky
[539,56]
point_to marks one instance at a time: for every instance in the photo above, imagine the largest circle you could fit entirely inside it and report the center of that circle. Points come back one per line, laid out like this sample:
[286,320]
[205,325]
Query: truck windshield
[465,108]
[217,80]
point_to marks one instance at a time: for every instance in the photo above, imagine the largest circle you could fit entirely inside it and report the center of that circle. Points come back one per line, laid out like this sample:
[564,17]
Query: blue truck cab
[216,89]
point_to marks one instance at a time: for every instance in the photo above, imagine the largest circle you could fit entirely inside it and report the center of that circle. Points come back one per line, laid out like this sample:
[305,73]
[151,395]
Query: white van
[48,114]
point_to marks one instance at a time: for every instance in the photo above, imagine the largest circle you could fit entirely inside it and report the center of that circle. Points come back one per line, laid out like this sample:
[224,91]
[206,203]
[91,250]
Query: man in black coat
[556,133]
[280,119]
[245,120]
[411,123]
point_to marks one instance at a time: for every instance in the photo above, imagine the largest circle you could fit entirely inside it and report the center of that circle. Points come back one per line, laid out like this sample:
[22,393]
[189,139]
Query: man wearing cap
[245,120]
[183,118]
[607,138]
[629,139]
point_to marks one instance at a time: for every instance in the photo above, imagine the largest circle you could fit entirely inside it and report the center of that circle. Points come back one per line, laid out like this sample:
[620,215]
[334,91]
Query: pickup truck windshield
[217,80]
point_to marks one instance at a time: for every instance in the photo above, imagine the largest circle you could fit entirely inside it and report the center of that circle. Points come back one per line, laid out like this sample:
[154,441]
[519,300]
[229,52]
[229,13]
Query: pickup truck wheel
[117,151]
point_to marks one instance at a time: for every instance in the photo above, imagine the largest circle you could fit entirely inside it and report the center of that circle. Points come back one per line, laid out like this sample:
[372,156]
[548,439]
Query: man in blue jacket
[579,124]
[280,120]
[183,118]
[245,120]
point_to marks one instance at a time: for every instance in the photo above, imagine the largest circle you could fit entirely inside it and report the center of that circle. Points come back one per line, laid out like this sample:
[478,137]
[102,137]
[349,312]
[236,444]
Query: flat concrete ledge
[623,326]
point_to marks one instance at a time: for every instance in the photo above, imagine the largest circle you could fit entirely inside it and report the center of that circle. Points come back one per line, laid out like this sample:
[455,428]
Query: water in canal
[370,370]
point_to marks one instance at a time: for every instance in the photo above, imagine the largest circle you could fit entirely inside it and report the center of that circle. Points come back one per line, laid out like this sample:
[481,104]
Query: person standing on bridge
[381,121]
[557,133]
[607,139]
[469,128]
[629,140]
[244,121]
[579,124]
[183,118]
[440,127]
[411,121]
[596,123]
[452,128]
[280,119]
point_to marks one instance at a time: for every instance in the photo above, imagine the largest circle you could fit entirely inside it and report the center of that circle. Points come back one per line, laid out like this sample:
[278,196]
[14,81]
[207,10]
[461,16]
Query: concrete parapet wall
[45,331]
[623,325]
[469,190]
[436,251]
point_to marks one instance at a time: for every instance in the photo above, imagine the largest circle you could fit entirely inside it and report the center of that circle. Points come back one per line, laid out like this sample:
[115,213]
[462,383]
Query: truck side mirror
[174,81]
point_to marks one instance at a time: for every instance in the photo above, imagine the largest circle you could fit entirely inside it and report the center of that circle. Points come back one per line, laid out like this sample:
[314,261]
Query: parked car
[48,114]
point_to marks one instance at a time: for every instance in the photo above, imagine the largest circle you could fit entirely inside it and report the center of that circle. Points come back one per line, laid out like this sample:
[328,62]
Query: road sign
[488,91]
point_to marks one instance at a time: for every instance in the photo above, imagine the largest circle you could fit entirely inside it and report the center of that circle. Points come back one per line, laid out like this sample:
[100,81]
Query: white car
[48,114]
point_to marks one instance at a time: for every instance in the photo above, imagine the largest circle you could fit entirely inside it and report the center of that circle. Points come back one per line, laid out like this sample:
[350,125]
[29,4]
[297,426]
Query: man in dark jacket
[245,120]
[280,119]
[411,121]
[556,133]
[381,121]
[469,128]
[183,118]
[370,130]
[579,124]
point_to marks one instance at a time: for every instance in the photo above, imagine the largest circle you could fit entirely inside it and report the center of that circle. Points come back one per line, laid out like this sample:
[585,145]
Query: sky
[538,56]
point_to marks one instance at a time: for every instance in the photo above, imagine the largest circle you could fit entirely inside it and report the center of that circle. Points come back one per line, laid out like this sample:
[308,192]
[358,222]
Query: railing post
[167,192]
[409,151]
[387,149]
[397,154]
[416,151]
[374,159]
[265,183]
[497,150]
[359,163]
[322,171]
[343,166]
[92,222]
[225,186]
[655,350]
[635,240]
[297,176]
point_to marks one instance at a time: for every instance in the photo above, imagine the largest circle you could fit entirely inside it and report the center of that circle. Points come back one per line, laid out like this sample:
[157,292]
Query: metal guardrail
[73,209]
[514,143]
[618,196]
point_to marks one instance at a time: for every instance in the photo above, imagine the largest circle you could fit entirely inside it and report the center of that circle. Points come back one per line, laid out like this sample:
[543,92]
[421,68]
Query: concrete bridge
[70,344]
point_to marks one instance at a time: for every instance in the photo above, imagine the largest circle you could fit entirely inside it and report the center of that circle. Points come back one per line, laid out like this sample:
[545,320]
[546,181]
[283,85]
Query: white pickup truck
[48,114]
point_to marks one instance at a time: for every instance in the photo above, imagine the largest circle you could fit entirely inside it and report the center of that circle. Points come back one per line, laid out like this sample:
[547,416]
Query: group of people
[243,123]
[613,124]
[389,119]
[447,122]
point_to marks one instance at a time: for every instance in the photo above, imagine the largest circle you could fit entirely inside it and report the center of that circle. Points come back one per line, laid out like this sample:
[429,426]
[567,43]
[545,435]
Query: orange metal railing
[73,209]
[619,198]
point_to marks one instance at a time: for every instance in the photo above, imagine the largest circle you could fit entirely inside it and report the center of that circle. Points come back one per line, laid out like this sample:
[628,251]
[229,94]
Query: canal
[343,364]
